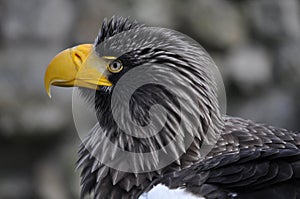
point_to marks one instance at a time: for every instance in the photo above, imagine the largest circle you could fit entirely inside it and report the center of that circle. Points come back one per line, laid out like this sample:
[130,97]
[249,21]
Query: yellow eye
[115,66]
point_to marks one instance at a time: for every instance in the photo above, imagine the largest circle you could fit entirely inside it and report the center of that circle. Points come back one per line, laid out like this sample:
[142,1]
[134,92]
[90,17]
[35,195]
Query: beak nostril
[80,53]
[78,58]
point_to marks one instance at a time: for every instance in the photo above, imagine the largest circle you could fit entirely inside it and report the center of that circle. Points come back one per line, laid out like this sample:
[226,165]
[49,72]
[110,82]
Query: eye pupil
[116,65]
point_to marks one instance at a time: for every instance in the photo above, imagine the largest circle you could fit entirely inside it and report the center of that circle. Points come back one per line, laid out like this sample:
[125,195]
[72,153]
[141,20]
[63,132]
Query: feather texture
[249,160]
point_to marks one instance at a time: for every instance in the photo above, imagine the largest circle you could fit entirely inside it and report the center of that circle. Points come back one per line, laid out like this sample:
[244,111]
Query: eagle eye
[115,66]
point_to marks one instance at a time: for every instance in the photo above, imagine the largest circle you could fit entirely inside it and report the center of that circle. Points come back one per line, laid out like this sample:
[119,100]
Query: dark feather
[249,160]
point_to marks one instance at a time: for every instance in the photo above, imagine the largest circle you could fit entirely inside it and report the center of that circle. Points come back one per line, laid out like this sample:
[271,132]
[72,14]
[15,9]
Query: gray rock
[274,107]
[216,22]
[15,186]
[249,67]
[45,20]
[288,62]
[276,20]
[90,14]
[156,13]
[24,103]
[55,20]
[50,180]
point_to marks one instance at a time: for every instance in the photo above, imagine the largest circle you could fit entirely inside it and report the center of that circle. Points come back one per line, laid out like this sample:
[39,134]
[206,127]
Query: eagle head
[153,92]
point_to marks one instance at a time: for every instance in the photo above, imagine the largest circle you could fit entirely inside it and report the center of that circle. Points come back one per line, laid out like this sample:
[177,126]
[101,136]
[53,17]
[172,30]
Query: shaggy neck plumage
[105,181]
[100,178]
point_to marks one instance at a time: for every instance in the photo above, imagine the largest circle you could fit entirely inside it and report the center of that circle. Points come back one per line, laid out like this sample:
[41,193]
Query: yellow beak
[78,66]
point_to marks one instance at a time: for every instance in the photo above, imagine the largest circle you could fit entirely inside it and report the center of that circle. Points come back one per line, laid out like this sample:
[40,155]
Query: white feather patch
[162,191]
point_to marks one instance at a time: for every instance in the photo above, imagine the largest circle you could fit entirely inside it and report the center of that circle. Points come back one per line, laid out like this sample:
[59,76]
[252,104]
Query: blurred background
[255,43]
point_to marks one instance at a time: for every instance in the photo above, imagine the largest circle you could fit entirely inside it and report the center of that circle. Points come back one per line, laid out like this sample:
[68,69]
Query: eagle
[159,122]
